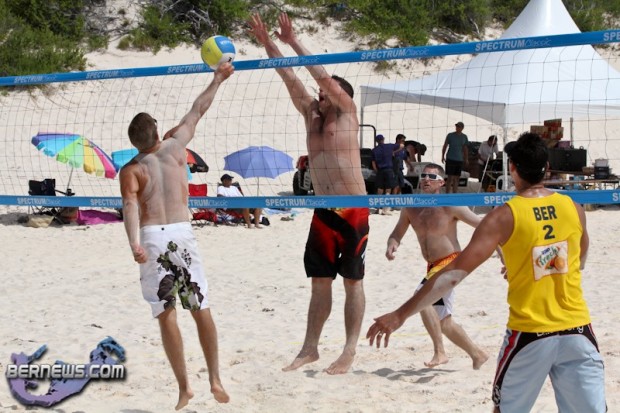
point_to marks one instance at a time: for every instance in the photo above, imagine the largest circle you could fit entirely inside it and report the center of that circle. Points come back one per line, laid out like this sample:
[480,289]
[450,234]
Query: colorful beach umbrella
[76,151]
[195,162]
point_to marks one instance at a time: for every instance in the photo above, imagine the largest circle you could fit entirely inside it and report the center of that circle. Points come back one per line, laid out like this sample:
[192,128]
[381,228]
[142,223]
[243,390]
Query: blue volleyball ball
[217,50]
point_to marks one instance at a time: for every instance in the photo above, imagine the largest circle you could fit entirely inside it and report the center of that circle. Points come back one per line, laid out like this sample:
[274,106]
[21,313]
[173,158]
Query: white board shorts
[173,268]
[444,306]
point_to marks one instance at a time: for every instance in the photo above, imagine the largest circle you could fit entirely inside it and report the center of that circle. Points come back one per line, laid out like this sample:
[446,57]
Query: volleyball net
[497,87]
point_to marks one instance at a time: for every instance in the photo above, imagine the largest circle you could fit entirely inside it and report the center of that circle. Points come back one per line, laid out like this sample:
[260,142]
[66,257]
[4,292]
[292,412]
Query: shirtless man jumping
[337,239]
[154,190]
[435,228]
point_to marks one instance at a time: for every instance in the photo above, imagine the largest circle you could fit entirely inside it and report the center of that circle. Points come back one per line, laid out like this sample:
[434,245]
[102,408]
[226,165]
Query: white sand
[70,287]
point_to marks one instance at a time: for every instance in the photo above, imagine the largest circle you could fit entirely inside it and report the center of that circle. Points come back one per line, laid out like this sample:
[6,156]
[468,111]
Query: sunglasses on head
[432,177]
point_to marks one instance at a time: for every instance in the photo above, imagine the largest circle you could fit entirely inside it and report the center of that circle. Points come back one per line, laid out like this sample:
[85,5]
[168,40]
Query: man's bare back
[163,185]
[154,191]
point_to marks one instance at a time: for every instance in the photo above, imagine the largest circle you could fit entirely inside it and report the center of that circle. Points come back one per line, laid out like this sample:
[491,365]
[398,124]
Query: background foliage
[48,36]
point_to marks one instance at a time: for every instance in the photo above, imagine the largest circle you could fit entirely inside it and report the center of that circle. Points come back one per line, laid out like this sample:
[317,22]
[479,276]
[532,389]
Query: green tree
[60,17]
[407,20]
[466,17]
[591,15]
[46,36]
[587,15]
[33,49]
[158,29]
[166,23]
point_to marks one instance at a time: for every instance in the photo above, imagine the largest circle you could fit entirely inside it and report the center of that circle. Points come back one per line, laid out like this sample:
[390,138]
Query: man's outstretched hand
[224,71]
[383,327]
[259,29]
[286,34]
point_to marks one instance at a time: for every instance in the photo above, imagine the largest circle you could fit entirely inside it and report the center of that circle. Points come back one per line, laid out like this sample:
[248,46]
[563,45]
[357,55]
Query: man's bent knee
[352,282]
[168,312]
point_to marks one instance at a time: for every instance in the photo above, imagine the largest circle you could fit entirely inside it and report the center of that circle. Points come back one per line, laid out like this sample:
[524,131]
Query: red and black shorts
[337,243]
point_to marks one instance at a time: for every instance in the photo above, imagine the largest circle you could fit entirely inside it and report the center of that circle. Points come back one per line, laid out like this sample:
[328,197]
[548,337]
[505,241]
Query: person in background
[544,239]
[455,155]
[486,153]
[383,165]
[399,157]
[229,189]
[415,151]
[435,228]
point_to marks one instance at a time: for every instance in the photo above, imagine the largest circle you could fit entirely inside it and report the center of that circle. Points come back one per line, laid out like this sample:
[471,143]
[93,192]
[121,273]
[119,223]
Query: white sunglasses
[432,177]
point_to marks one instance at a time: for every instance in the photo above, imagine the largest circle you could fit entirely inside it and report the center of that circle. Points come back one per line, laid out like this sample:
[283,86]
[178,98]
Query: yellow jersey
[542,259]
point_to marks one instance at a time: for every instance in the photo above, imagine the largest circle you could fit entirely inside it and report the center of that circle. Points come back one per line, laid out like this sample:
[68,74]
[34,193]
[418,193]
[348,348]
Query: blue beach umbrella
[258,162]
[120,158]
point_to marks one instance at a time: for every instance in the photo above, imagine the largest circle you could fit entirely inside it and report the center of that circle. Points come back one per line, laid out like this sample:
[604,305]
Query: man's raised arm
[333,89]
[184,131]
[296,89]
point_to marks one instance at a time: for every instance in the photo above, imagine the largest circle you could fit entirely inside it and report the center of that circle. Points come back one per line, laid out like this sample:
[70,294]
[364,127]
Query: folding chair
[235,216]
[47,187]
[198,189]
[202,216]
[230,216]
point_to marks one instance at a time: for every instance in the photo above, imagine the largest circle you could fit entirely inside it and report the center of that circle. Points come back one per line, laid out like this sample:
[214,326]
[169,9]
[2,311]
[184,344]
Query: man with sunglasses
[545,242]
[435,228]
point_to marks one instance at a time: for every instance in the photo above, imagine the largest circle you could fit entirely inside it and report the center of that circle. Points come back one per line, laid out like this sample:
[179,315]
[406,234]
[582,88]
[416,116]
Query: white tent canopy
[518,87]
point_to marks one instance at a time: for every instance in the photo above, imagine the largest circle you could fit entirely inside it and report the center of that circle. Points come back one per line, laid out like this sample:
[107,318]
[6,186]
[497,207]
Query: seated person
[229,189]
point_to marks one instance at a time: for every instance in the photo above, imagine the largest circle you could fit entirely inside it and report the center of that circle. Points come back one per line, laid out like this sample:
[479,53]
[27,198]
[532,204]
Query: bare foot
[438,358]
[480,359]
[219,393]
[301,360]
[258,226]
[184,398]
[342,364]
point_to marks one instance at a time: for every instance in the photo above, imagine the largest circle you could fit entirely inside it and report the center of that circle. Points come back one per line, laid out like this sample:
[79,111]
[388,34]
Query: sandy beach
[70,287]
